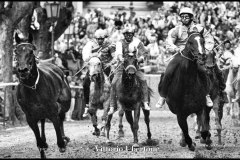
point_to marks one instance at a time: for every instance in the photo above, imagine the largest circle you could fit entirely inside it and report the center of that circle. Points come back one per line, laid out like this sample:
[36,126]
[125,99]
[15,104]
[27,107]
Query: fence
[4,85]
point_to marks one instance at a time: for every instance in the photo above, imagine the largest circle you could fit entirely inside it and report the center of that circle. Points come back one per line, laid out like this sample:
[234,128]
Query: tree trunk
[10,16]
[42,36]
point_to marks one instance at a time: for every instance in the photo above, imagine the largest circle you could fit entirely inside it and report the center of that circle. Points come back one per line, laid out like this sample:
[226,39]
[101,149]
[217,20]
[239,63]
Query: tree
[18,15]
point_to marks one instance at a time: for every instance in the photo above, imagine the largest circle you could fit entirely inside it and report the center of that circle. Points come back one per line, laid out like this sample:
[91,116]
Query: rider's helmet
[128,33]
[186,10]
[128,29]
[100,33]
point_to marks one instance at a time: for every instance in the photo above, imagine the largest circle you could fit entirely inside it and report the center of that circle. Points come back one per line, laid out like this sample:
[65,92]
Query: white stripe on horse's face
[200,48]
[94,66]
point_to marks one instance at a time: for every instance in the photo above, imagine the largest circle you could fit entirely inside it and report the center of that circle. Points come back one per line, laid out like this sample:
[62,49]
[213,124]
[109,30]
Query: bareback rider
[104,49]
[176,40]
[123,47]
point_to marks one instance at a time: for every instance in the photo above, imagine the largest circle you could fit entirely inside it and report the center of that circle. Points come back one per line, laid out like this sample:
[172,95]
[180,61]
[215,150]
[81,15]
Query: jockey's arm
[171,40]
[87,52]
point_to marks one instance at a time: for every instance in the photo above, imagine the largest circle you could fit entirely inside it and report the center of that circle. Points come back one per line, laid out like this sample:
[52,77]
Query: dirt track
[20,142]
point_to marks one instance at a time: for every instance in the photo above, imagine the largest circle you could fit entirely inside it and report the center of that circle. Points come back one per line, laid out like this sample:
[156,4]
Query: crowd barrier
[4,85]
[152,81]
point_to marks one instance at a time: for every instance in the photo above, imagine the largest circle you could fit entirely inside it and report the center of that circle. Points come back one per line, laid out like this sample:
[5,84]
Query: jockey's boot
[85,114]
[160,102]
[209,101]
[146,106]
[223,96]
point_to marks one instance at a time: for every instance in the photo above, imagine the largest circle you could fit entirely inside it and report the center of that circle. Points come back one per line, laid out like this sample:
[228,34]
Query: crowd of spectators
[219,17]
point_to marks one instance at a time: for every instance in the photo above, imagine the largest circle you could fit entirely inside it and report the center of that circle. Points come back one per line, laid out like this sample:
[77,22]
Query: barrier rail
[4,85]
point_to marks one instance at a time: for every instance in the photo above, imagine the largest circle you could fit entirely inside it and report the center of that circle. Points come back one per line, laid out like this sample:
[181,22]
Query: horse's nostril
[22,70]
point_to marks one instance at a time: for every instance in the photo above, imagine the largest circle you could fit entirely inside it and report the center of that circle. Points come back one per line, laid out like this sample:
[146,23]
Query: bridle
[32,48]
[195,57]
[98,71]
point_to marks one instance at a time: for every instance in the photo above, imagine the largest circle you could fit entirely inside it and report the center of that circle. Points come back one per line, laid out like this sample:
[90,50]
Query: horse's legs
[40,143]
[147,121]
[129,118]
[205,134]
[216,111]
[43,136]
[238,110]
[182,121]
[220,115]
[232,110]
[57,125]
[120,114]
[93,113]
[108,125]
[135,124]
[198,126]
[62,117]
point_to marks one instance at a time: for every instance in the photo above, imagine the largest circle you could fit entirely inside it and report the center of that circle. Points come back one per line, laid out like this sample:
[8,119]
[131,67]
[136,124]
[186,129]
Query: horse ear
[17,39]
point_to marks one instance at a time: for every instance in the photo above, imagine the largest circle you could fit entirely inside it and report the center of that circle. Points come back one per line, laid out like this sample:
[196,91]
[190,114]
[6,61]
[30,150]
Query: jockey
[101,47]
[124,46]
[175,42]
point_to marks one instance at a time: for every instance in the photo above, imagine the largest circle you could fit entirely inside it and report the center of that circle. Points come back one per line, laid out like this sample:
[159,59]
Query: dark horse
[43,92]
[214,94]
[187,88]
[129,97]
[99,97]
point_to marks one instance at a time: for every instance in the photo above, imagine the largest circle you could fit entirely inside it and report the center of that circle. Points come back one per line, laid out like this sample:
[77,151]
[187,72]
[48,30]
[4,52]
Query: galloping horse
[99,93]
[231,89]
[214,94]
[43,92]
[188,87]
[129,98]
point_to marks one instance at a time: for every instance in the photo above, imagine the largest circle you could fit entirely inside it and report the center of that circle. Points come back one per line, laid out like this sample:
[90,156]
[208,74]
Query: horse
[43,92]
[231,89]
[215,96]
[187,88]
[99,97]
[129,98]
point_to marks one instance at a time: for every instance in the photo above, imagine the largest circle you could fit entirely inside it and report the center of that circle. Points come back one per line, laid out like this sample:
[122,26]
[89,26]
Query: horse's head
[195,46]
[95,67]
[24,56]
[130,64]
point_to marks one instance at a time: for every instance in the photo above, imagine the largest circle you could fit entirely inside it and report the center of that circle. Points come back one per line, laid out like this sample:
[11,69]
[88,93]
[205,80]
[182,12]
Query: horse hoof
[62,150]
[108,141]
[96,133]
[135,145]
[43,156]
[208,147]
[67,139]
[183,143]
[208,141]
[198,135]
[192,147]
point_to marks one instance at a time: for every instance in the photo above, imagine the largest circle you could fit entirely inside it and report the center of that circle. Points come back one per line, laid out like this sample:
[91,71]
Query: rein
[36,58]
[35,84]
